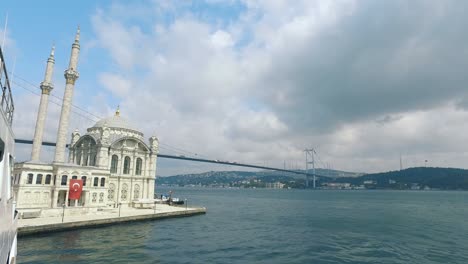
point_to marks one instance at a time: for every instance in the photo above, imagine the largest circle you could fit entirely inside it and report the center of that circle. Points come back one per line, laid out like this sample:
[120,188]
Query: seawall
[44,225]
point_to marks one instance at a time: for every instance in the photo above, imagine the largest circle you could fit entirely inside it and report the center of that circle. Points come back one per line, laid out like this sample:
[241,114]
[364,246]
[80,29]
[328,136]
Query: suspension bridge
[196,159]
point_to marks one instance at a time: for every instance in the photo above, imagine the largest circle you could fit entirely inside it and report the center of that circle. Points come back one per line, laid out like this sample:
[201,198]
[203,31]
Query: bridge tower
[310,153]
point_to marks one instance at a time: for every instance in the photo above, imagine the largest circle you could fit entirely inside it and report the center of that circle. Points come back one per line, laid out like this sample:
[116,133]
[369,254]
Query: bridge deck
[180,157]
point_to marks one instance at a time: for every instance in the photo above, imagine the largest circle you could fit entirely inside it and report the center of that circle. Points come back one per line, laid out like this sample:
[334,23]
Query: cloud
[115,84]
[254,126]
[432,134]
[121,42]
[384,57]
[361,81]
[7,42]
[221,39]
[358,79]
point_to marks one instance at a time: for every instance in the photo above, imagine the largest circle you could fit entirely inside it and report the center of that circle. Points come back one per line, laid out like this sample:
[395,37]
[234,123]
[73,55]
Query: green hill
[434,178]
[231,179]
[412,178]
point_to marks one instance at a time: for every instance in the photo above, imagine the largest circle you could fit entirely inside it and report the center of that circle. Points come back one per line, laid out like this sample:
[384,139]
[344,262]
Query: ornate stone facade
[115,146]
[115,164]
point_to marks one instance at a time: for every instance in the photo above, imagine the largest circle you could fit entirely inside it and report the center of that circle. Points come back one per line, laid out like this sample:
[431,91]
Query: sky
[255,81]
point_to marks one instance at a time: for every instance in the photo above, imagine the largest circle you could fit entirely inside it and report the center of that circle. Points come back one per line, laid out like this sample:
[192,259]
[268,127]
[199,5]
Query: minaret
[46,87]
[71,74]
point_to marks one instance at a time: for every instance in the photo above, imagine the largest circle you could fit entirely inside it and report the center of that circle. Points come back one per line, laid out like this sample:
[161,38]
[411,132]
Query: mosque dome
[115,121]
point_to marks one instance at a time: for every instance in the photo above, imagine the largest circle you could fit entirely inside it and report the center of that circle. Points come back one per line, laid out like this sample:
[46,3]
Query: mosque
[112,159]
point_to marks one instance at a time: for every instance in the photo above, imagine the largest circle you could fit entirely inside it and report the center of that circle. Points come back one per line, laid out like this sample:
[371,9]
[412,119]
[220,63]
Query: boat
[168,199]
[177,201]
[8,213]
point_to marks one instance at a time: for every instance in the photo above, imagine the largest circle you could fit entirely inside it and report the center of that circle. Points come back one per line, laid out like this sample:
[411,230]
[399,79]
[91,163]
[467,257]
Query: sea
[277,226]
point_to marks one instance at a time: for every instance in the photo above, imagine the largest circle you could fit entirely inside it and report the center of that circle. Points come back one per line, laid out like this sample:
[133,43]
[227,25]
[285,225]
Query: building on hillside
[337,185]
[112,159]
[274,185]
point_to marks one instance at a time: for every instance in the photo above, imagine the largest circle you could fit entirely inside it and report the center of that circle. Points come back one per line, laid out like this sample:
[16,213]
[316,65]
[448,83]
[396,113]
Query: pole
[313,165]
[401,163]
[4,33]
[120,206]
[186,204]
[307,168]
[63,212]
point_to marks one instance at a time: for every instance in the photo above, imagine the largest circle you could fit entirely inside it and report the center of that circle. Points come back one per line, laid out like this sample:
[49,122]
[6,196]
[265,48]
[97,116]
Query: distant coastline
[418,178]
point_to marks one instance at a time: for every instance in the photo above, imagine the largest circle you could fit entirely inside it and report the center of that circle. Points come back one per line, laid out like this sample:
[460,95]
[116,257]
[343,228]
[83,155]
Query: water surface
[277,226]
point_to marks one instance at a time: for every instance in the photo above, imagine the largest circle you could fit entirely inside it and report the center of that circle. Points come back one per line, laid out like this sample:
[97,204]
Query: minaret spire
[75,51]
[77,36]
[71,75]
[46,87]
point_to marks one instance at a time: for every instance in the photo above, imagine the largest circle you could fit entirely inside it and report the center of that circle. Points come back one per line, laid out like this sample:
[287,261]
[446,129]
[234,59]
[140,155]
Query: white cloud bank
[361,81]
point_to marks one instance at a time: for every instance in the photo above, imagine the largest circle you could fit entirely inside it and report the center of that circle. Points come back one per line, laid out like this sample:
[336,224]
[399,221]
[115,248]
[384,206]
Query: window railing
[6,103]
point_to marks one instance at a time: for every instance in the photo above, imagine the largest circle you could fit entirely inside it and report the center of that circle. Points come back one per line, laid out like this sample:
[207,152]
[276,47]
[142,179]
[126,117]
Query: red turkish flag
[76,186]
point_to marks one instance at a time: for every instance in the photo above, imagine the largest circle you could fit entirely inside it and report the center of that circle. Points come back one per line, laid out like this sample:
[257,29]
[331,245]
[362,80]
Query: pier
[73,220]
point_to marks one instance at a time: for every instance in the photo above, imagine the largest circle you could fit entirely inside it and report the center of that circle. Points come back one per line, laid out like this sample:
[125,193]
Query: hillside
[229,178]
[434,178]
[249,179]
[412,178]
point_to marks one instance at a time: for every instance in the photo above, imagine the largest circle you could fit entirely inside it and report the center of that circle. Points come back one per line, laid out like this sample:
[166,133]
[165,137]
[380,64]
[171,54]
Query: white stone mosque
[112,159]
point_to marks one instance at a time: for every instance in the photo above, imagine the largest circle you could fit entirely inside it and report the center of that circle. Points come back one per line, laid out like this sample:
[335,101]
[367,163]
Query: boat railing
[6,103]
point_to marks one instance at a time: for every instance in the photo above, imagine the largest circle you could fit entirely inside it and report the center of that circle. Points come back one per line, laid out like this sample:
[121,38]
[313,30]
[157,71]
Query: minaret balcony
[71,74]
[46,87]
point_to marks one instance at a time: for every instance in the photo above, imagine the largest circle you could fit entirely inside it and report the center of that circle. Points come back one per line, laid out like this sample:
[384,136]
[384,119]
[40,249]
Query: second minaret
[71,75]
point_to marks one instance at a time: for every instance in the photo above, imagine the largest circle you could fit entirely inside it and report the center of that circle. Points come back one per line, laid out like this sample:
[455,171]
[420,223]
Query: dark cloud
[361,81]
[384,58]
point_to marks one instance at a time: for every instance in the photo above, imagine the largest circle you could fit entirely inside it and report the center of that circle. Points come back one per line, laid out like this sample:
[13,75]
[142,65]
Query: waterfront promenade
[101,218]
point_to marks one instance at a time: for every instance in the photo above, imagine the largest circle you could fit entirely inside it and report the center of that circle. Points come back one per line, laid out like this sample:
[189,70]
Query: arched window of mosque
[74,177]
[48,178]
[139,162]
[30,178]
[103,182]
[114,163]
[83,178]
[126,169]
[39,179]
[92,161]
[96,181]
[85,160]
[64,180]
[78,156]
